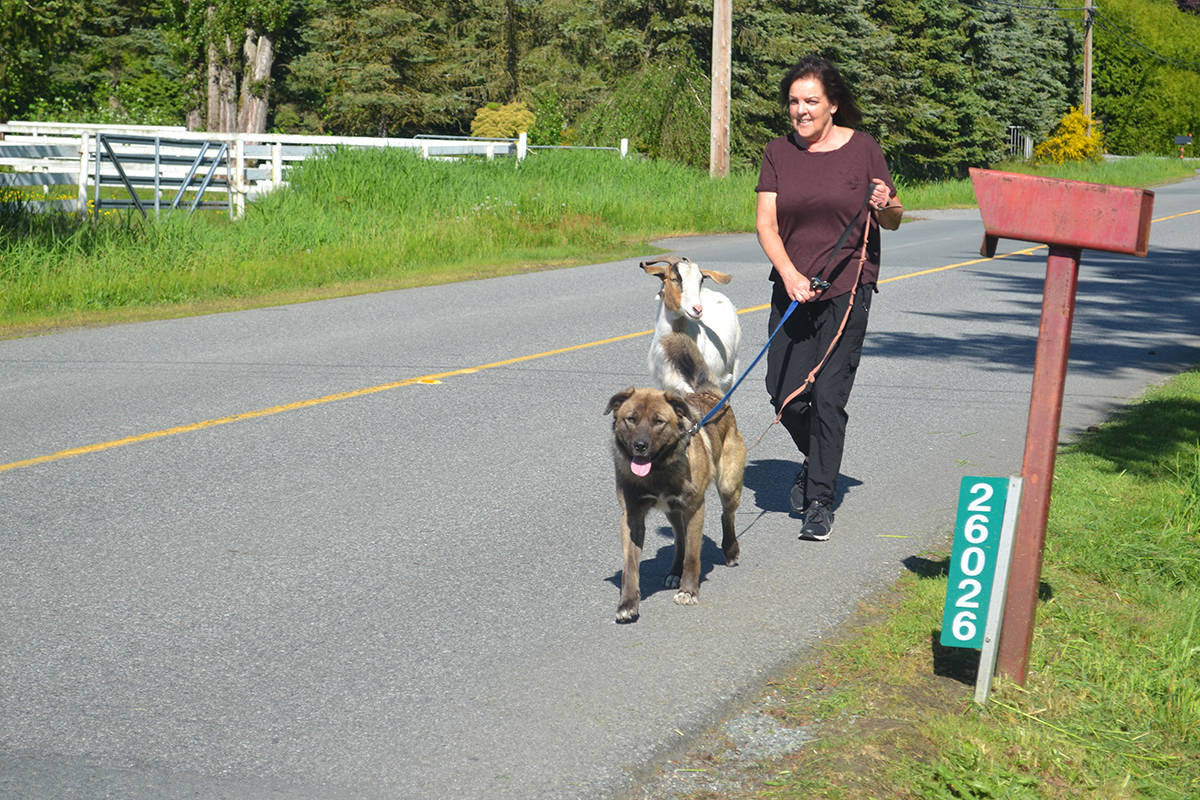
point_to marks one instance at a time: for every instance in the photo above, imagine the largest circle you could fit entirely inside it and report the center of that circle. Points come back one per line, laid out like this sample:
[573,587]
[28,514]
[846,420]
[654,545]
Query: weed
[366,220]
[1111,705]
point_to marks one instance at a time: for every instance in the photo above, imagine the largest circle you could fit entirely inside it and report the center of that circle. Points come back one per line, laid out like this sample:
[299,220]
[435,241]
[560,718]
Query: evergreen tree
[233,44]
[1025,66]
[938,83]
[363,69]
[943,125]
[35,36]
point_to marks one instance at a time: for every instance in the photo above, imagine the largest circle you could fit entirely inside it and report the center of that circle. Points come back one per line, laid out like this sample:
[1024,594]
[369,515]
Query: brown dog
[659,463]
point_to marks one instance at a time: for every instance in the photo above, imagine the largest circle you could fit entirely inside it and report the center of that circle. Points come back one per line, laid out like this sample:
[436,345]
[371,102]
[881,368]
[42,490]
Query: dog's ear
[719,277]
[617,399]
[682,409]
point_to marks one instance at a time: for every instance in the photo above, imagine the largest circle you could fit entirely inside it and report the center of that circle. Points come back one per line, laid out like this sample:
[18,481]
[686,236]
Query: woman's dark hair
[814,66]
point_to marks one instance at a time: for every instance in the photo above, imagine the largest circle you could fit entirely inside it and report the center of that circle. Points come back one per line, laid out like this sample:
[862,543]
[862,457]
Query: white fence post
[624,147]
[84,162]
[239,178]
[522,146]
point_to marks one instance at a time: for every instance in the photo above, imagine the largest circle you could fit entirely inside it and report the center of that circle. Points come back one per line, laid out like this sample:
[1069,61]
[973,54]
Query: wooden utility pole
[722,35]
[1087,63]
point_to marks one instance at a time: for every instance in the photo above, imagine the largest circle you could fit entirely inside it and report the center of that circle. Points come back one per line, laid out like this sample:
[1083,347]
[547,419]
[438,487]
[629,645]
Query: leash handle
[812,376]
[792,307]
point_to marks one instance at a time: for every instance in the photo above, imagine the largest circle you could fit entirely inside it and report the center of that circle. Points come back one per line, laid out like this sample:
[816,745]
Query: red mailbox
[1069,216]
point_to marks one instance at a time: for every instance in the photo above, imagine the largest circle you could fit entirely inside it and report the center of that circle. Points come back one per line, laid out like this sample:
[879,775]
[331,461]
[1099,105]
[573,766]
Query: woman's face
[810,110]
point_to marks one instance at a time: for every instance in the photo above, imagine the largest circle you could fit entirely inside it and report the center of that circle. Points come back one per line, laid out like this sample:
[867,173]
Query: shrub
[550,124]
[504,121]
[1077,138]
[662,109]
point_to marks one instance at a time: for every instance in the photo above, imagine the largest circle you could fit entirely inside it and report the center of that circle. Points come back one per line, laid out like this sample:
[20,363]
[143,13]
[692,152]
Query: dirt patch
[833,726]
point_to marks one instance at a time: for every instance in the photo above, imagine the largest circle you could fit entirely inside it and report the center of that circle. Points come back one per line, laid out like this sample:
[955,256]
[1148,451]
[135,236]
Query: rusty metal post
[1041,446]
[1069,216]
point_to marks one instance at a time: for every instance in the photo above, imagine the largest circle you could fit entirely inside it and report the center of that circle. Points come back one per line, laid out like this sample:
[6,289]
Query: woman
[813,186]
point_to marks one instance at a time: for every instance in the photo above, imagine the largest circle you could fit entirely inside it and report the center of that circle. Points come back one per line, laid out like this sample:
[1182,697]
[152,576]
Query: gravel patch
[727,758]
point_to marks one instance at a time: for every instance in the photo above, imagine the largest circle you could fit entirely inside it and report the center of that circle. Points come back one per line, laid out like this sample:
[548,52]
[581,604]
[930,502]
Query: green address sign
[981,504]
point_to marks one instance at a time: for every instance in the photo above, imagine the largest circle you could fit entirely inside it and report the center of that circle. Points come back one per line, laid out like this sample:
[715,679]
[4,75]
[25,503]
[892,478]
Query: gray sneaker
[818,522]
[796,497]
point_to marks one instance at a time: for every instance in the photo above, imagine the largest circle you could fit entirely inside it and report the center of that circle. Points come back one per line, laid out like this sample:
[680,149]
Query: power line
[1099,20]
[1096,18]
[1021,11]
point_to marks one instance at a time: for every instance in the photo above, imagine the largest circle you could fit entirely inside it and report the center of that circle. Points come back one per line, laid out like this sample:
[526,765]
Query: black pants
[817,418]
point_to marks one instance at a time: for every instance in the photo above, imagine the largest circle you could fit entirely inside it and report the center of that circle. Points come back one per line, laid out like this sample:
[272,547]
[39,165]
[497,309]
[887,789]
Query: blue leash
[708,417]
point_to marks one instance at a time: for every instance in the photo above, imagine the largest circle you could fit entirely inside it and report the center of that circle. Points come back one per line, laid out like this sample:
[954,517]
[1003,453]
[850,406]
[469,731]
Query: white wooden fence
[63,154]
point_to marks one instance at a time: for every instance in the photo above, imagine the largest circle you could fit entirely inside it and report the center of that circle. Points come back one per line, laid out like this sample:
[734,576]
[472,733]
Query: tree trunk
[249,49]
[212,121]
[227,89]
[259,56]
[510,42]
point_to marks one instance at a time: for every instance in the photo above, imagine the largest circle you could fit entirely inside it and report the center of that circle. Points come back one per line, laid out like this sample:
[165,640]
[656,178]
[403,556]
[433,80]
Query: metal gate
[186,167]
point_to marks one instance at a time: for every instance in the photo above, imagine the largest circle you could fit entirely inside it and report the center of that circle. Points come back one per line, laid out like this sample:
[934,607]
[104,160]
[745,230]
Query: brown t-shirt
[817,194]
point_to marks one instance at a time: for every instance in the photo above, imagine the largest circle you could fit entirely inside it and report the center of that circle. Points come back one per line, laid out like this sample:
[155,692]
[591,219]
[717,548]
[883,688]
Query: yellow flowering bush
[504,121]
[1077,138]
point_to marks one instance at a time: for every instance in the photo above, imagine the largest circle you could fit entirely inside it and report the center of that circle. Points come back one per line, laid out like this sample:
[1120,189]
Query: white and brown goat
[687,306]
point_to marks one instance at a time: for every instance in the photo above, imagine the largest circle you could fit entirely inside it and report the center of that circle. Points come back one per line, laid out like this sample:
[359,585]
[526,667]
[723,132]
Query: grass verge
[372,220]
[1111,704]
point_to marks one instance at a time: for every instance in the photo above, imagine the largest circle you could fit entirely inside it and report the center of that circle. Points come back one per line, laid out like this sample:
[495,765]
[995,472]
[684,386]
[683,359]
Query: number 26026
[971,562]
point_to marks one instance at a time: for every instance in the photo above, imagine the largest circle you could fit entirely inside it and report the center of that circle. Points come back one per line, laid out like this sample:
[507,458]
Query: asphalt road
[368,547]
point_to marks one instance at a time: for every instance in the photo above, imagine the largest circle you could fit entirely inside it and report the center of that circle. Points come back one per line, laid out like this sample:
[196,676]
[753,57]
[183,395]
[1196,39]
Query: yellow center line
[931,271]
[432,378]
[316,401]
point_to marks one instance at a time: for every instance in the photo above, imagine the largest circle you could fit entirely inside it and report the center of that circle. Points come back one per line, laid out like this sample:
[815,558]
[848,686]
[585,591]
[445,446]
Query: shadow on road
[654,571]
[1160,292]
[769,480]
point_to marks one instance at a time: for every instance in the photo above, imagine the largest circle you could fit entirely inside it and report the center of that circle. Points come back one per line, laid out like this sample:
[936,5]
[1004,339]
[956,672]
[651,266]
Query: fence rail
[1020,143]
[49,154]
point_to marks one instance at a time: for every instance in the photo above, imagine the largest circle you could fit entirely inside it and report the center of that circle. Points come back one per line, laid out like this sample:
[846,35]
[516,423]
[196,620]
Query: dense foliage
[939,82]
[1147,86]
[1077,138]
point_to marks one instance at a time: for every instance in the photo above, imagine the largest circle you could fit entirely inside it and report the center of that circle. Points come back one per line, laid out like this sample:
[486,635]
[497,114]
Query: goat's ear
[617,399]
[655,268]
[719,277]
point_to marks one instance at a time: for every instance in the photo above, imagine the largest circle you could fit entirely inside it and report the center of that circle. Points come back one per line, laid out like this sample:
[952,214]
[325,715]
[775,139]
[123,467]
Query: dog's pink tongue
[640,467]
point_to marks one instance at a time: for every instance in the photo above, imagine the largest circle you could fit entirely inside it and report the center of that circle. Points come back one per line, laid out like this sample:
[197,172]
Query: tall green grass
[374,218]
[1142,171]
[1111,703]
[363,220]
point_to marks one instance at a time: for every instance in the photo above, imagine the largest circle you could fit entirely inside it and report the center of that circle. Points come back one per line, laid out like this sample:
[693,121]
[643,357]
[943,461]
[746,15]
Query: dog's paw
[672,582]
[686,599]
[627,612]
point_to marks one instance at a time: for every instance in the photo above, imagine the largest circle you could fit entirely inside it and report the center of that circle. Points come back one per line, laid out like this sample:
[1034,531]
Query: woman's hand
[799,288]
[881,195]
[888,210]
